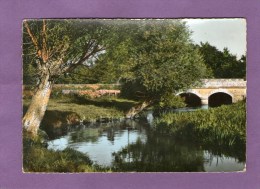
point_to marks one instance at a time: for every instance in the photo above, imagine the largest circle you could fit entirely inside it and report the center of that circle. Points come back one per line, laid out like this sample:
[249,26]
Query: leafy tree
[81,74]
[29,70]
[54,48]
[241,68]
[223,64]
[156,59]
[156,56]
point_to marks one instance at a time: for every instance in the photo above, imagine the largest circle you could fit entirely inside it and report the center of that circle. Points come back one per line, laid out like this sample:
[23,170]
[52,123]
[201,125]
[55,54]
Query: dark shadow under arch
[219,98]
[192,100]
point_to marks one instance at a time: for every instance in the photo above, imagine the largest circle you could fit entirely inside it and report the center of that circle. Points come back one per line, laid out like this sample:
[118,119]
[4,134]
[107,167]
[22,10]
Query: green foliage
[98,73]
[29,73]
[171,101]
[225,125]
[133,90]
[156,58]
[61,46]
[223,64]
[81,74]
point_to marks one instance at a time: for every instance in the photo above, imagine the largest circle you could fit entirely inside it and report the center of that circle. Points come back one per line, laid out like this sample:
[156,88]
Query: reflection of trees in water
[237,151]
[92,132]
[85,135]
[111,134]
[159,154]
[151,151]
[120,128]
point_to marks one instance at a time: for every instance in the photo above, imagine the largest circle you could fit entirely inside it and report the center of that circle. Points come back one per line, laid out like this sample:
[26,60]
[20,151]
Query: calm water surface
[130,145]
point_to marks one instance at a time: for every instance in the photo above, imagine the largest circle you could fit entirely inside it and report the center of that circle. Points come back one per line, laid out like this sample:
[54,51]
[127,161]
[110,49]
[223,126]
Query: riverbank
[67,111]
[72,109]
[223,127]
[217,131]
[37,158]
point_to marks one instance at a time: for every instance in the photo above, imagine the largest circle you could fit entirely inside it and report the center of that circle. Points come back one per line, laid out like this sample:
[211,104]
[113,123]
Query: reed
[225,125]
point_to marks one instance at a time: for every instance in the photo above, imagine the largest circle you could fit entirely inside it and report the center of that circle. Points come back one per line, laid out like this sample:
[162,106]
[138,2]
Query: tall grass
[225,125]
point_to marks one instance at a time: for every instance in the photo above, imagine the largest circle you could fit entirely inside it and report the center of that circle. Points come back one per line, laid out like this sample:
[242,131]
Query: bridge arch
[193,91]
[220,97]
[192,99]
[221,91]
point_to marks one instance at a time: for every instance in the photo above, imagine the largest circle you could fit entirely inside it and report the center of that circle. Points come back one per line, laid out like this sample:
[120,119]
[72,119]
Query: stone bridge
[215,92]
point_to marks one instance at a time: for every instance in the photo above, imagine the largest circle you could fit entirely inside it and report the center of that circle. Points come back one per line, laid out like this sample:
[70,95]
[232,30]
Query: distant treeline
[223,64]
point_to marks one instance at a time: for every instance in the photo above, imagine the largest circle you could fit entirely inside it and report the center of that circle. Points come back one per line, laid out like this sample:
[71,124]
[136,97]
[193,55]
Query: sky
[221,33]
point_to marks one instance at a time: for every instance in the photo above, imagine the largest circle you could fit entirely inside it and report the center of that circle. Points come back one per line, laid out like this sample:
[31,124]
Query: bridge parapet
[225,89]
[222,83]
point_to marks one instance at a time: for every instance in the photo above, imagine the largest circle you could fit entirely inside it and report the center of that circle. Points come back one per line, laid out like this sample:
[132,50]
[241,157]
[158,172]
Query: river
[132,145]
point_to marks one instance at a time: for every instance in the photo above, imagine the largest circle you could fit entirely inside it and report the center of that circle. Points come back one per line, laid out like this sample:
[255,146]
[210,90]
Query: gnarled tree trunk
[37,108]
[137,109]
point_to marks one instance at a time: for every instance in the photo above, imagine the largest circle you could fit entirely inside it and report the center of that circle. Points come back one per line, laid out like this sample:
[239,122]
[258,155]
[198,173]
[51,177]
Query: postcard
[138,94]
[128,95]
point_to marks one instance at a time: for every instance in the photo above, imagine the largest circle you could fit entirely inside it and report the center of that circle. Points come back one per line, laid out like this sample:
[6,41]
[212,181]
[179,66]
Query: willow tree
[156,59]
[56,47]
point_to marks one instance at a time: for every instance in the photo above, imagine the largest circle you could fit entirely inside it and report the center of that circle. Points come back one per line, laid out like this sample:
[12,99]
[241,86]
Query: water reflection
[101,141]
[130,145]
[213,163]
[158,153]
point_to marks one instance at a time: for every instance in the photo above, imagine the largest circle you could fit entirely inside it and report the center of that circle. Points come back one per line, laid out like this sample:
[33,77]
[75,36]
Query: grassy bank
[66,111]
[223,127]
[37,158]
[74,108]
[63,110]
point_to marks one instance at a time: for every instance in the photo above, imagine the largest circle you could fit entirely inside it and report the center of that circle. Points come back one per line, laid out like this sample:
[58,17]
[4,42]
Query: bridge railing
[207,83]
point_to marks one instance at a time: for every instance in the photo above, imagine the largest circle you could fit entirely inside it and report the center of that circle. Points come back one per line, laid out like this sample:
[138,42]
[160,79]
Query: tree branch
[83,58]
[44,50]
[34,40]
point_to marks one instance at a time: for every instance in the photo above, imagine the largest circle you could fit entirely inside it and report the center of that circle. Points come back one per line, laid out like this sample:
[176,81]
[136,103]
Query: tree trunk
[37,108]
[137,109]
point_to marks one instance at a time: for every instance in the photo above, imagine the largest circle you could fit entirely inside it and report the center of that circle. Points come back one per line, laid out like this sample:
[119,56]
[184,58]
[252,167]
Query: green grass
[69,110]
[225,125]
[88,109]
[119,104]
